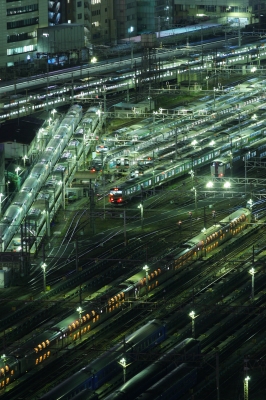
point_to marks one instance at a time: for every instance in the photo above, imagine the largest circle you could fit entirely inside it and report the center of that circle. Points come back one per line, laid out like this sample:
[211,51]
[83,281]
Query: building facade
[108,21]
[220,11]
[18,29]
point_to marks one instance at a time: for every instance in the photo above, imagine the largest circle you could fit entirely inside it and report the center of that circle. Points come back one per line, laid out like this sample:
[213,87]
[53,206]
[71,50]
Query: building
[154,15]
[18,30]
[224,11]
[107,21]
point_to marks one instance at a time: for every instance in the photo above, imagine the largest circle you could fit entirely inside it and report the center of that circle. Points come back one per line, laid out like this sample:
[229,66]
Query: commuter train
[45,345]
[251,144]
[223,166]
[107,365]
[12,218]
[188,349]
[106,304]
[209,239]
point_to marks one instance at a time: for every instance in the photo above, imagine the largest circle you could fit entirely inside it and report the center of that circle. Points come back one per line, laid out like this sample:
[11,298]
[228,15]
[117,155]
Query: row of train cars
[48,175]
[237,138]
[128,78]
[40,349]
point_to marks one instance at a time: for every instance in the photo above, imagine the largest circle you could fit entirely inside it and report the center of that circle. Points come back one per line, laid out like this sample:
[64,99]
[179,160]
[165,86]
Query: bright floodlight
[94,60]
[43,266]
[209,184]
[252,271]
[192,314]
[227,185]
[123,362]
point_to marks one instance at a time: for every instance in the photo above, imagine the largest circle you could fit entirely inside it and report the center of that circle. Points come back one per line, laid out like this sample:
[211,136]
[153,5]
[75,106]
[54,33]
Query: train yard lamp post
[24,158]
[18,178]
[79,310]
[124,364]
[193,316]
[207,81]
[252,273]
[247,378]
[17,170]
[192,174]
[43,267]
[141,214]
[53,112]
[146,269]
[196,203]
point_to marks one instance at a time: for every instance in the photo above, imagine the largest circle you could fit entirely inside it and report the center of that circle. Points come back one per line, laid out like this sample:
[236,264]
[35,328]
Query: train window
[48,353]
[43,345]
[88,316]
[70,328]
[12,372]
[40,359]
[88,327]
[36,361]
[2,371]
[39,346]
[47,342]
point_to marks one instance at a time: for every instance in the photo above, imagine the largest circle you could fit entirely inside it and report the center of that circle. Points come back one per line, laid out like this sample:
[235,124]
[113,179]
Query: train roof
[201,236]
[143,332]
[235,215]
[28,347]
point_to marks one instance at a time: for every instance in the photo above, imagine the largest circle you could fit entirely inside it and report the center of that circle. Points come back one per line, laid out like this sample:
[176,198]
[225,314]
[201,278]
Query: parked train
[188,349]
[209,239]
[251,141]
[12,218]
[107,365]
[45,345]
[173,385]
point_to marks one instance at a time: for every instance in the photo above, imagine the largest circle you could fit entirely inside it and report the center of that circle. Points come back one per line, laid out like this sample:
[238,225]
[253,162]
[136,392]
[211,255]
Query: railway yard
[151,285]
